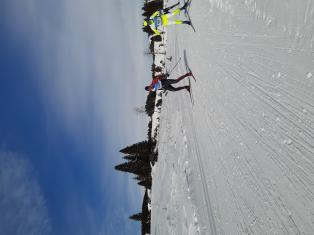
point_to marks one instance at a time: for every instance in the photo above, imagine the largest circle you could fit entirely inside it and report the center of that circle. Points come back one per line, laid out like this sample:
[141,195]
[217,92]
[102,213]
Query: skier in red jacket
[161,82]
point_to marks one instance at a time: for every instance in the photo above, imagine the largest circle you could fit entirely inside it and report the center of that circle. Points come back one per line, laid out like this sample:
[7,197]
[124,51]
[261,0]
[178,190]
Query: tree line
[140,157]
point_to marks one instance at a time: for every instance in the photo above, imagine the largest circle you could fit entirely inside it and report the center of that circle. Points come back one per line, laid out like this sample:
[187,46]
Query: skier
[162,18]
[161,82]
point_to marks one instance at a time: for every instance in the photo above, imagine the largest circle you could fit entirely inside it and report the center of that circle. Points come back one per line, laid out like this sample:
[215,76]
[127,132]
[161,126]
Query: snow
[241,160]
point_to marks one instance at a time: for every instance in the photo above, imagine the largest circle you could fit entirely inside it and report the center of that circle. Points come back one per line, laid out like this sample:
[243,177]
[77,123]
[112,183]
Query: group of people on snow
[159,19]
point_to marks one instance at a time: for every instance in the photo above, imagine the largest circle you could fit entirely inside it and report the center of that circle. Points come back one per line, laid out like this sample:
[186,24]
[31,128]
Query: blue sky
[71,74]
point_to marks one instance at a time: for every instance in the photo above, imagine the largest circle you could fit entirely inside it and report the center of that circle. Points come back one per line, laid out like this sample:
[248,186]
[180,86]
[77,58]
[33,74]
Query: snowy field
[241,160]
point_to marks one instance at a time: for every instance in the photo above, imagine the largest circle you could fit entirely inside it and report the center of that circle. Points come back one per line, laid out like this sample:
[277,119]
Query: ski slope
[241,160]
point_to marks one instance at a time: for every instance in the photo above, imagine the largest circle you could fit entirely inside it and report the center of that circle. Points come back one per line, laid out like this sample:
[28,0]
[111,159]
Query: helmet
[147,88]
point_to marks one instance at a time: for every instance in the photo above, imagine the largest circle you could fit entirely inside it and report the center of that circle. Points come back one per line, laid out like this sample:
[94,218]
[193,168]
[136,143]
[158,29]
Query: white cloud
[22,205]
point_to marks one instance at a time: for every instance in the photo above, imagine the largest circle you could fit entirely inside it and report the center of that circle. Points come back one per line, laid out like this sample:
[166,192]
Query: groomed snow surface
[241,160]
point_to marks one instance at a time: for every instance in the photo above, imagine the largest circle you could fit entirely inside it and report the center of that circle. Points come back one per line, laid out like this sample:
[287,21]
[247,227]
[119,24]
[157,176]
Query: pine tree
[146,200]
[149,131]
[159,103]
[145,214]
[141,148]
[153,157]
[151,7]
[137,217]
[150,103]
[138,167]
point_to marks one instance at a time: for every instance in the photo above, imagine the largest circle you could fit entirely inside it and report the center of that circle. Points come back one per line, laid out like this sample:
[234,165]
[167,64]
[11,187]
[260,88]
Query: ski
[190,71]
[187,8]
[187,65]
[190,92]
[167,9]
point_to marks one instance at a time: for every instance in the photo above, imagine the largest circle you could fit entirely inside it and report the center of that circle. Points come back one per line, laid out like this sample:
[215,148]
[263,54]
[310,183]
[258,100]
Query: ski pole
[174,66]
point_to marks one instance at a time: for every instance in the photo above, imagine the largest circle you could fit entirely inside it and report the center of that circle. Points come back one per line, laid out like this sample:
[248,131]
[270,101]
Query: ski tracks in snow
[241,159]
[193,139]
